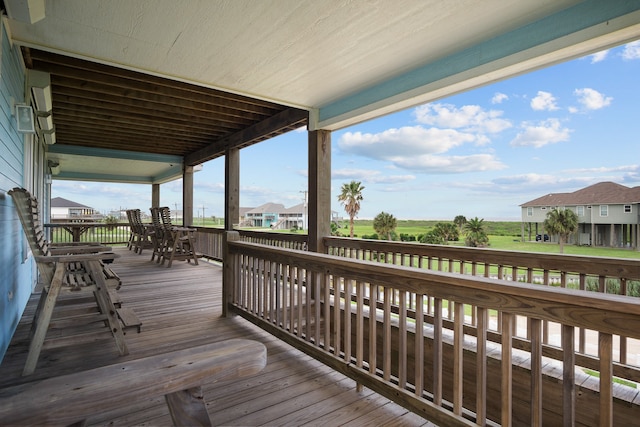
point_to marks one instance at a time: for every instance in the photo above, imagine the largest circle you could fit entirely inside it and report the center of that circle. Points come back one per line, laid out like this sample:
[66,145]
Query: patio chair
[173,243]
[65,268]
[141,234]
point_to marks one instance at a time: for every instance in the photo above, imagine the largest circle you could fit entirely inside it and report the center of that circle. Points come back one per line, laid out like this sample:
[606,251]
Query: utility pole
[203,208]
[304,218]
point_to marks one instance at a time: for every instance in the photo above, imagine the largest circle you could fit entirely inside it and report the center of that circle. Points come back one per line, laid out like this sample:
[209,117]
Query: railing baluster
[568,377]
[605,350]
[419,346]
[348,291]
[535,326]
[373,326]
[402,339]
[437,351]
[326,283]
[458,355]
[481,366]
[507,370]
[386,335]
[337,297]
[359,328]
[308,293]
[317,291]
[299,288]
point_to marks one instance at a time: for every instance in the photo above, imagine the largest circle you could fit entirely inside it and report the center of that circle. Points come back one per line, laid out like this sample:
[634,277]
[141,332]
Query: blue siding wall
[17,275]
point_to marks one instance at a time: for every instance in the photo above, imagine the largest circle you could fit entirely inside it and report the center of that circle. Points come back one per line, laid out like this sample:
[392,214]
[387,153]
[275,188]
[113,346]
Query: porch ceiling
[188,79]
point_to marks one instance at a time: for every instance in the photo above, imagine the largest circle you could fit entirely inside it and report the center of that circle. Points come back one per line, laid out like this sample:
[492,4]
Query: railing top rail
[601,266]
[289,237]
[613,314]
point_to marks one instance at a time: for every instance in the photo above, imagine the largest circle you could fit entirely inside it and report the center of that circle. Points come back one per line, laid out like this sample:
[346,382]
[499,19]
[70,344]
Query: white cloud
[599,56]
[544,101]
[450,164]
[499,98]
[538,135]
[405,141]
[591,99]
[417,148]
[631,51]
[370,176]
[470,118]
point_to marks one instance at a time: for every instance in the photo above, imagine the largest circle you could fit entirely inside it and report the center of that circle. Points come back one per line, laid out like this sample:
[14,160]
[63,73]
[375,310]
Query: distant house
[274,216]
[608,214]
[67,209]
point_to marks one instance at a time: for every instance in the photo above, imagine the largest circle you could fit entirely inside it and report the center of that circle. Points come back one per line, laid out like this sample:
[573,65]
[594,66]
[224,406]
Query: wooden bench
[69,267]
[178,376]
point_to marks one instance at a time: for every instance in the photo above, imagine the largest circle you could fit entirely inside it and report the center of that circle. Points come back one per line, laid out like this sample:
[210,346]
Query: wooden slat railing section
[564,271]
[109,234]
[296,295]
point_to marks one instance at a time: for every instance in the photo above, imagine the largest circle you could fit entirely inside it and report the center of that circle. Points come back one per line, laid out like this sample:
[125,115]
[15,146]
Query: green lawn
[503,235]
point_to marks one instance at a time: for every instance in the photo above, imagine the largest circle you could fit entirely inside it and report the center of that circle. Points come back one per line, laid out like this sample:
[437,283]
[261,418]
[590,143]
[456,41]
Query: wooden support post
[155,195]
[187,196]
[231,188]
[319,189]
[188,408]
[228,272]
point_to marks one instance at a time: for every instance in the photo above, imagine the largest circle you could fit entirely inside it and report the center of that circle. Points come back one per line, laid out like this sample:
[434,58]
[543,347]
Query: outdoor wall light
[24,119]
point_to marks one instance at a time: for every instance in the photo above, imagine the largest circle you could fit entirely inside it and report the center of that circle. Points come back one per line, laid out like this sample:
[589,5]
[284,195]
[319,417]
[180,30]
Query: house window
[604,210]
[580,210]
[627,208]
[529,211]
[544,208]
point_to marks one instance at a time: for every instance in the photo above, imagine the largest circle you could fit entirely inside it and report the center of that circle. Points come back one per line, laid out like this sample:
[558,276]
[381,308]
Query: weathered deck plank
[180,307]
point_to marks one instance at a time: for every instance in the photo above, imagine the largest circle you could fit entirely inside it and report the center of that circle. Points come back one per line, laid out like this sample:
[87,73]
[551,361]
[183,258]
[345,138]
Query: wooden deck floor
[180,307]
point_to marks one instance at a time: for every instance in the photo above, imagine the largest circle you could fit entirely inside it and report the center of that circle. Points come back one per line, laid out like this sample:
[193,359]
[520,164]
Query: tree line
[560,222]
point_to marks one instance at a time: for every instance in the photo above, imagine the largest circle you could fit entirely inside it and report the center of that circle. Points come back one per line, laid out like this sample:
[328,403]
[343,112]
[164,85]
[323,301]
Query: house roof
[597,194]
[59,202]
[267,208]
[142,88]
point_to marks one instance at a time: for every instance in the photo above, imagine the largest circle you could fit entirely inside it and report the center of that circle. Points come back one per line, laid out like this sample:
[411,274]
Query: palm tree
[460,221]
[476,236]
[384,224]
[350,197]
[447,231]
[562,222]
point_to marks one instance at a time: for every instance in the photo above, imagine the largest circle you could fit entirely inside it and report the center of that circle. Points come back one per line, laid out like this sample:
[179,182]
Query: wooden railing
[109,234]
[209,241]
[441,343]
[281,240]
[599,274]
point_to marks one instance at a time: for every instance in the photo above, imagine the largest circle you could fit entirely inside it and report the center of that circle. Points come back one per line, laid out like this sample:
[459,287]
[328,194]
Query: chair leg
[106,306]
[43,318]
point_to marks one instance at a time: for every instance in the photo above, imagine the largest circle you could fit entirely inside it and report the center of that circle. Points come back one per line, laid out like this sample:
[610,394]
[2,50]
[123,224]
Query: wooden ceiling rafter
[102,106]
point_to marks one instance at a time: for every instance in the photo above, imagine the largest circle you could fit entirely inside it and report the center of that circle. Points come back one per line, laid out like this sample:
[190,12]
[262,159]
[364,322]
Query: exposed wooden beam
[289,119]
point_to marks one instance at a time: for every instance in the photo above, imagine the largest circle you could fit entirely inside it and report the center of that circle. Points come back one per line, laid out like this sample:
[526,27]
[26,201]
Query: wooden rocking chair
[61,268]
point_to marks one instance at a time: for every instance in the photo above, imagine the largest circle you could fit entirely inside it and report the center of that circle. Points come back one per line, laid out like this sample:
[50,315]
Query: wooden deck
[180,308]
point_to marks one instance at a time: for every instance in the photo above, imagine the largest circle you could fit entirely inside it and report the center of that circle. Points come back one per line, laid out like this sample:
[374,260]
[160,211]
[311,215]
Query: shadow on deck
[180,307]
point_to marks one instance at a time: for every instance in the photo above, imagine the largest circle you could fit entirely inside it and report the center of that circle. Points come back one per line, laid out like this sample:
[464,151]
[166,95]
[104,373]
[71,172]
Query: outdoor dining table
[77,229]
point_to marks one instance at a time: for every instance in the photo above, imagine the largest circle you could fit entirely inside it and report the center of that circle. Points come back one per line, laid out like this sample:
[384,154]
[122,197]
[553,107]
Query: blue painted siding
[17,274]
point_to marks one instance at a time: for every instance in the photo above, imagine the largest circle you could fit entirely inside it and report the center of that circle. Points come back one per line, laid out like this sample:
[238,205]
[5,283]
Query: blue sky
[480,153]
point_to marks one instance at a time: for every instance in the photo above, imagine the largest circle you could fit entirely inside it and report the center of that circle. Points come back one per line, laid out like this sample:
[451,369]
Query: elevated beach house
[145,91]
[608,214]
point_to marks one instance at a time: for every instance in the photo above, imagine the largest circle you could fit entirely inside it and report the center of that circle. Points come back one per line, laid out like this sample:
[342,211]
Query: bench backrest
[27,208]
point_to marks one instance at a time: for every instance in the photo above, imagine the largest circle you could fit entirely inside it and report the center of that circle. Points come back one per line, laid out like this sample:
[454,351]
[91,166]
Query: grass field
[504,235]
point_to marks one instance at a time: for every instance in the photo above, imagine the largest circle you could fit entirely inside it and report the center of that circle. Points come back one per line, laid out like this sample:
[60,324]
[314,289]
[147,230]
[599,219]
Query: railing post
[229,271]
